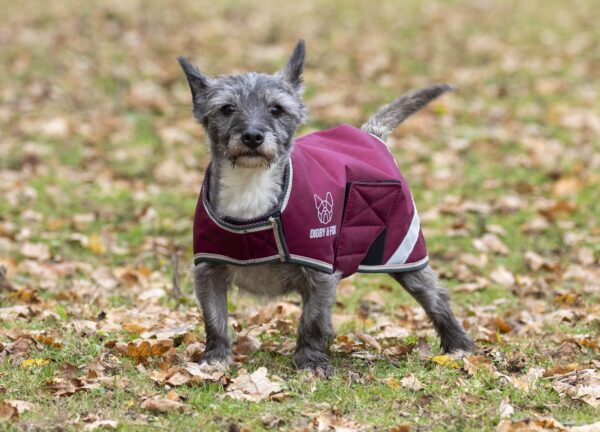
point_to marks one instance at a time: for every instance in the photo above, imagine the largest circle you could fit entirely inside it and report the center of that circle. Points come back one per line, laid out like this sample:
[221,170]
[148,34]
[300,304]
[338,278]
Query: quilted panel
[367,212]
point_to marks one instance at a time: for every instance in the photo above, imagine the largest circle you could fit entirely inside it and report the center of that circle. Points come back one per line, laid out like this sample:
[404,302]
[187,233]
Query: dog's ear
[318,201]
[197,81]
[292,71]
[329,199]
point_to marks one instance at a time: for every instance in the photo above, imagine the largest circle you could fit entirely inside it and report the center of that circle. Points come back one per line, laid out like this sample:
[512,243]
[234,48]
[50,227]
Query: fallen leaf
[21,406]
[163,406]
[506,409]
[36,251]
[34,362]
[246,345]
[567,186]
[8,412]
[446,361]
[369,341]
[96,245]
[545,424]
[582,385]
[491,243]
[502,277]
[411,382]
[101,424]
[253,387]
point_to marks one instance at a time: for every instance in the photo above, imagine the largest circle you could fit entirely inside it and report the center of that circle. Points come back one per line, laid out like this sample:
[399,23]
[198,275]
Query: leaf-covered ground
[101,163]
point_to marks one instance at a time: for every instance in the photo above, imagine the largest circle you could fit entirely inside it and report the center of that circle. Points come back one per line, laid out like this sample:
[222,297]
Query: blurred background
[96,115]
[101,160]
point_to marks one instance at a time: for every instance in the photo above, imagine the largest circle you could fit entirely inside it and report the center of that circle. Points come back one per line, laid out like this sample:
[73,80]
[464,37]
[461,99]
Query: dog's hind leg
[424,286]
[315,330]
[211,282]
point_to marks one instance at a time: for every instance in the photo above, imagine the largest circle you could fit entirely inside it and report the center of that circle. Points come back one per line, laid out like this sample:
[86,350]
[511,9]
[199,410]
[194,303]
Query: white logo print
[324,208]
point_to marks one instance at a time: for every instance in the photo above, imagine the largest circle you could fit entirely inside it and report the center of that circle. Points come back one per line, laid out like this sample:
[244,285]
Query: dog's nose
[253,138]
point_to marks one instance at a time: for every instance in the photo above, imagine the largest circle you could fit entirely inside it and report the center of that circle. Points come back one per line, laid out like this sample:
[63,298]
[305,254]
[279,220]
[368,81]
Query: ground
[101,163]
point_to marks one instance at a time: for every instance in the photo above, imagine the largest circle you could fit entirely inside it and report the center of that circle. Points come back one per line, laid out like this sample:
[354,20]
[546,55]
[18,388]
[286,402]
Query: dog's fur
[236,112]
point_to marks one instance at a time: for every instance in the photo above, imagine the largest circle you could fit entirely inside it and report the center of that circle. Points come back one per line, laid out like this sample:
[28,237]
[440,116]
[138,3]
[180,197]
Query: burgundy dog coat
[344,206]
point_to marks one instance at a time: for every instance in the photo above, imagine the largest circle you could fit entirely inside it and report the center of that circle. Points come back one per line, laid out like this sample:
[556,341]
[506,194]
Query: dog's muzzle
[252,149]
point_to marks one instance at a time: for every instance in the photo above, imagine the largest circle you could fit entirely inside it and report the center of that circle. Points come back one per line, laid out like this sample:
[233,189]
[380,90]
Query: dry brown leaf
[502,277]
[561,370]
[246,345]
[567,186]
[163,406]
[332,420]
[68,386]
[369,341]
[36,251]
[101,424]
[491,243]
[8,412]
[474,363]
[21,406]
[546,424]
[411,382]
[404,427]
[253,387]
[506,409]
[582,385]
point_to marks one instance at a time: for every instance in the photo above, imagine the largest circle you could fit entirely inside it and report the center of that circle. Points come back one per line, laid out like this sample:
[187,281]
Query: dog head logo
[324,208]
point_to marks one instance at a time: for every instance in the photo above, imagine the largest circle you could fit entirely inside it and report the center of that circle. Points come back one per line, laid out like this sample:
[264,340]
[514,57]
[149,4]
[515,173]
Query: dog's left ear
[292,71]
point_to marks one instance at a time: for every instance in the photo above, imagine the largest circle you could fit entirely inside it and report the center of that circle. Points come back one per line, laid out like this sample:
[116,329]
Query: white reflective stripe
[236,261]
[392,267]
[379,139]
[236,230]
[311,261]
[408,243]
[286,198]
[277,238]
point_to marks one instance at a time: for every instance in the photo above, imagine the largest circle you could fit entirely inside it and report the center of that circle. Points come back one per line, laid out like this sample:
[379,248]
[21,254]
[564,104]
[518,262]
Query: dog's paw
[457,345]
[216,360]
[459,354]
[323,370]
[314,361]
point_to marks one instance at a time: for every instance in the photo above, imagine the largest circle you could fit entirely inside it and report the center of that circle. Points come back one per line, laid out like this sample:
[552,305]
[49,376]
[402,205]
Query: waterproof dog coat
[344,207]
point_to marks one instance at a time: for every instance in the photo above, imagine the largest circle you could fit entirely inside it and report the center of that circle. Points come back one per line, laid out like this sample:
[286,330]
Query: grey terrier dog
[250,121]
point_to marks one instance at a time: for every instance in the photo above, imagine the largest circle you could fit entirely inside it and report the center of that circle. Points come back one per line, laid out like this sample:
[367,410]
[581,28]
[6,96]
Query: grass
[98,193]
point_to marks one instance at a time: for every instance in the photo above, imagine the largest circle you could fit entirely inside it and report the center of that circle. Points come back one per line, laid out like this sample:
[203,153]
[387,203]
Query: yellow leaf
[446,361]
[95,245]
[392,382]
[134,328]
[34,362]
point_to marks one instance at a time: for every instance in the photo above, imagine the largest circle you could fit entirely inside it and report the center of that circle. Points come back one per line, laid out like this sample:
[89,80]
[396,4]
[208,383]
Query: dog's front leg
[315,330]
[211,283]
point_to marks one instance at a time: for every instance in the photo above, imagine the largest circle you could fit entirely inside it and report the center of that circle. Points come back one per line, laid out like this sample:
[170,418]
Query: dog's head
[250,119]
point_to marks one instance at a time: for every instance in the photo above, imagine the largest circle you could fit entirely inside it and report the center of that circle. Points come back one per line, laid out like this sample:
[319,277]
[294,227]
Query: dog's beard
[239,155]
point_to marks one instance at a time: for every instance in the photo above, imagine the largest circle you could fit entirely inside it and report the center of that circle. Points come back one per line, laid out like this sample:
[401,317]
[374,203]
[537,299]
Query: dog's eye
[227,110]
[276,110]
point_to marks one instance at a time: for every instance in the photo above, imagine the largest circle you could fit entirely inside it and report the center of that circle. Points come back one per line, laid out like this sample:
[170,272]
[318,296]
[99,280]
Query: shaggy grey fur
[271,106]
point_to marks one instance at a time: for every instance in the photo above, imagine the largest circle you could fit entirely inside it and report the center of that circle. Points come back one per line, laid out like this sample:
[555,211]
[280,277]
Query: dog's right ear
[198,82]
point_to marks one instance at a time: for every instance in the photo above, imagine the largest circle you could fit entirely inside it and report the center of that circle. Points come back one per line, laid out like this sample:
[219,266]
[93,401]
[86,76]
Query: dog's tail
[388,118]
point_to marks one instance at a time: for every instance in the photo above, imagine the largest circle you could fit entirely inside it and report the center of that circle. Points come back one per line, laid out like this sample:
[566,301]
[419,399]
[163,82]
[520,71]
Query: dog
[242,234]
